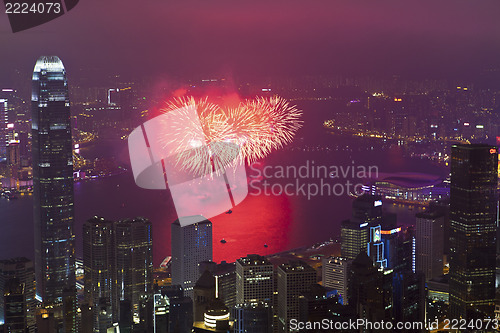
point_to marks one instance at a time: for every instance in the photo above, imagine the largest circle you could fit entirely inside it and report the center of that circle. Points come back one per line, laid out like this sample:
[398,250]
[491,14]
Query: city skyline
[367,138]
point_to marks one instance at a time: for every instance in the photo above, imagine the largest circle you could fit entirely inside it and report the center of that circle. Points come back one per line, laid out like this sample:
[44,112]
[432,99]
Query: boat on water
[223,241]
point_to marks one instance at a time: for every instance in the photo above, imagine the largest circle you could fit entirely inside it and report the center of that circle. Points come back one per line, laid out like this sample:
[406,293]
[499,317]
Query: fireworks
[248,132]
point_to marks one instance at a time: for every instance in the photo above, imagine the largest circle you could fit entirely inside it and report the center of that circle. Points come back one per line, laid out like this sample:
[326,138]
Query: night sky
[251,39]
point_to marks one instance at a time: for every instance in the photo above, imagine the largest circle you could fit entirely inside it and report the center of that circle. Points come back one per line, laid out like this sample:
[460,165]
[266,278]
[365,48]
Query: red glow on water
[257,221]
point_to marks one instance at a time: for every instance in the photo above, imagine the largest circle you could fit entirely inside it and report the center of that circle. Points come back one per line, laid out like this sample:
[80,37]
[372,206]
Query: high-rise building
[52,180]
[99,266]
[134,261]
[294,278]
[356,233]
[335,274]
[254,280]
[429,244]
[118,265]
[191,245]
[21,269]
[473,222]
[4,120]
[354,238]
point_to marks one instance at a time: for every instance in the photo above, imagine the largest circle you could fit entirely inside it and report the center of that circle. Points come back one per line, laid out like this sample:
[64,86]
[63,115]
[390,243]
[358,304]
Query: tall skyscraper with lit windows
[52,181]
[473,221]
[254,280]
[191,245]
[99,265]
[134,261]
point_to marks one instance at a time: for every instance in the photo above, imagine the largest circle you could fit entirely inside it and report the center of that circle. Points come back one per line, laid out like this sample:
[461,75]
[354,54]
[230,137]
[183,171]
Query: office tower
[294,278]
[252,318]
[370,291]
[355,233]
[134,261]
[398,248]
[254,280]
[429,244]
[335,275]
[473,222]
[15,306]
[21,269]
[7,111]
[118,265]
[204,293]
[191,245]
[354,238]
[52,180]
[99,265]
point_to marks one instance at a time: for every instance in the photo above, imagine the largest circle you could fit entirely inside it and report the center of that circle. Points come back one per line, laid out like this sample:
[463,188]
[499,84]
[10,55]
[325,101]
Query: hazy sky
[254,38]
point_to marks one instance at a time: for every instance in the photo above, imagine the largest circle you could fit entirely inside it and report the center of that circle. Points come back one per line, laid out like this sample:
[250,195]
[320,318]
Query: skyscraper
[99,265]
[355,233]
[254,280]
[294,278]
[473,222]
[354,238]
[134,261]
[429,244]
[118,264]
[335,273]
[52,180]
[191,245]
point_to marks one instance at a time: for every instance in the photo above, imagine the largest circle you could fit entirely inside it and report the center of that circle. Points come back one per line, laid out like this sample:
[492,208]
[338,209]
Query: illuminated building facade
[354,238]
[191,245]
[134,261]
[355,233]
[99,265]
[254,280]
[375,247]
[473,222]
[335,273]
[52,181]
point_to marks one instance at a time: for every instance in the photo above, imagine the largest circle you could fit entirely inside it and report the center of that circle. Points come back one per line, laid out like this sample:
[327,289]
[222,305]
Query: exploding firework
[248,132]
